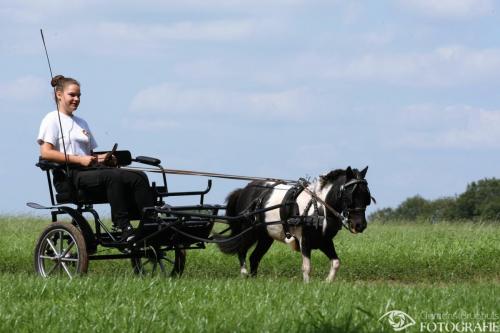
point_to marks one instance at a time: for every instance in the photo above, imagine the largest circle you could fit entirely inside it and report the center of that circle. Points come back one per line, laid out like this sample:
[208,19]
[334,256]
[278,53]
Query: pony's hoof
[244,273]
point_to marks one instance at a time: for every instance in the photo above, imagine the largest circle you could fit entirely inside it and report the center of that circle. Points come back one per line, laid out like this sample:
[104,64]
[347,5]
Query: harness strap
[342,218]
[289,207]
[313,202]
[258,203]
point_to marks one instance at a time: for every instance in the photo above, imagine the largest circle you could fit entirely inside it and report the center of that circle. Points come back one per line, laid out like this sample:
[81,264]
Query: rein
[208,174]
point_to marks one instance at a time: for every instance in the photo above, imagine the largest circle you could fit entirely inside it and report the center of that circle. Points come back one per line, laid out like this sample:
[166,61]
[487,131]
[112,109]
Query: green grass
[418,269]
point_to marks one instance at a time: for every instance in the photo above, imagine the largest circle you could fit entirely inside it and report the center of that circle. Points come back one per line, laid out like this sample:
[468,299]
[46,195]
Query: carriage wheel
[61,250]
[153,262]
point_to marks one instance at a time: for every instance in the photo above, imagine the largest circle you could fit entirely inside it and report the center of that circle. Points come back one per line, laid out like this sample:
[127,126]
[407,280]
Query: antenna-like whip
[57,105]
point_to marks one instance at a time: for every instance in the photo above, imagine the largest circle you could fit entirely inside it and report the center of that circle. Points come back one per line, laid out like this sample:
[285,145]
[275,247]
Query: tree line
[480,201]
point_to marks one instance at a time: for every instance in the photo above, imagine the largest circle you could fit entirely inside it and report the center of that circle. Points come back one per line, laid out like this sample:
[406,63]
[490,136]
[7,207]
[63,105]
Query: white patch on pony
[306,268]
[293,242]
[334,267]
[276,231]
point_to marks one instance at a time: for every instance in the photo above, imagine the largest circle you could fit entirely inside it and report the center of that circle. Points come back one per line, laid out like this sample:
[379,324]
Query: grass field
[424,270]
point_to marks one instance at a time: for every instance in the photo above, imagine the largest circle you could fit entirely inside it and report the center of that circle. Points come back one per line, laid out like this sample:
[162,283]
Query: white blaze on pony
[344,192]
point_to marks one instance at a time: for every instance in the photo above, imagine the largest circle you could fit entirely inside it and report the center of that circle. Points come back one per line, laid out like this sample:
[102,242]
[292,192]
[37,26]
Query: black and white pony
[345,193]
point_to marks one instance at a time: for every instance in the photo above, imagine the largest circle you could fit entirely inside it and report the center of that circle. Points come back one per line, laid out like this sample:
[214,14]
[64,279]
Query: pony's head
[349,195]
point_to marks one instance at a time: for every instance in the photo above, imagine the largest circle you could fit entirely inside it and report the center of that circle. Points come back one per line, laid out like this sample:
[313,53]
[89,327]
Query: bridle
[343,216]
[347,211]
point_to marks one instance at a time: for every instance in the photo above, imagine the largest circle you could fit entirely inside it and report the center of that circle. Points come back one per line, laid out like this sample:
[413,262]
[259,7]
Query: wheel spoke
[53,268]
[53,247]
[169,260]
[70,245]
[69,259]
[47,257]
[63,265]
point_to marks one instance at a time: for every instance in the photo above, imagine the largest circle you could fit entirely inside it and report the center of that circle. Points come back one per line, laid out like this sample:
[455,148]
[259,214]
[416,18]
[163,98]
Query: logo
[398,320]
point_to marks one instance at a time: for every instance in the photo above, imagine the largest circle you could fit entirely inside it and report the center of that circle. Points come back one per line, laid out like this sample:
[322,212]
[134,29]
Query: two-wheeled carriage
[66,247]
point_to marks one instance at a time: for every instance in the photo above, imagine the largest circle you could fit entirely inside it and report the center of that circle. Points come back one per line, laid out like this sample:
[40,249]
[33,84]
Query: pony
[319,208]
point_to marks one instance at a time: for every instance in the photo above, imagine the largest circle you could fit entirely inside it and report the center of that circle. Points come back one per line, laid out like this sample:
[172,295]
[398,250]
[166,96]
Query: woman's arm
[49,153]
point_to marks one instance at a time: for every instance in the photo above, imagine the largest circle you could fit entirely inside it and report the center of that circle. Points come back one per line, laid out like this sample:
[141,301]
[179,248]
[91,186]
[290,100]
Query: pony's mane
[330,177]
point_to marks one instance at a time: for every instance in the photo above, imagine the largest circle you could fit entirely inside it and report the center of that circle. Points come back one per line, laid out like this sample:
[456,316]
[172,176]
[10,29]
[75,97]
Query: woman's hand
[110,161]
[86,160]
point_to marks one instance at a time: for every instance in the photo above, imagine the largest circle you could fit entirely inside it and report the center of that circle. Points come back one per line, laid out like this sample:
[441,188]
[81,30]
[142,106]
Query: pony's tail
[232,246]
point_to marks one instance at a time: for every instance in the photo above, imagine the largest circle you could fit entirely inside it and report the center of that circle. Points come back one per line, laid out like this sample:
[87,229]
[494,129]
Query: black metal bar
[220,217]
[111,256]
[198,207]
[52,200]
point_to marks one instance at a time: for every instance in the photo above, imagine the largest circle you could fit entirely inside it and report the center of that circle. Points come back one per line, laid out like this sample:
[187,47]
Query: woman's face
[69,98]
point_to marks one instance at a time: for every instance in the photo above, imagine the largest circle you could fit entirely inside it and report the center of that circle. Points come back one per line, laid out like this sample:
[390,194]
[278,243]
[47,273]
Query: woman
[122,187]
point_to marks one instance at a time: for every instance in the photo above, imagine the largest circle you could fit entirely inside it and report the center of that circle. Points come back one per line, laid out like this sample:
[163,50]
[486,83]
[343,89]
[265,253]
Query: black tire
[61,250]
[152,262]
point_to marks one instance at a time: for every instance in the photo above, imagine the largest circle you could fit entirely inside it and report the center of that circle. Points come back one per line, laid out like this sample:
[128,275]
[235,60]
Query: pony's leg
[329,250]
[263,245]
[305,249]
[242,257]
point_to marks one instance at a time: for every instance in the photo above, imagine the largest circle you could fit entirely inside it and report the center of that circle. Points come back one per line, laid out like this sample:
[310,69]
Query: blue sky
[285,88]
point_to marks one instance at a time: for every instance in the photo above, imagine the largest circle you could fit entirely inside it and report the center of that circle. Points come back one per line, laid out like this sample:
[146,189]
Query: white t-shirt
[77,136]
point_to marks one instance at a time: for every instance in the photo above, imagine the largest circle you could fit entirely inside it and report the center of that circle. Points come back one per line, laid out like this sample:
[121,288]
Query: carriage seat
[65,190]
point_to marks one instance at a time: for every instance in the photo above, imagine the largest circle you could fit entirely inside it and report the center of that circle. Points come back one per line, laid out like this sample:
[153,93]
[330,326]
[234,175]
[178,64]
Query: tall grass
[418,269]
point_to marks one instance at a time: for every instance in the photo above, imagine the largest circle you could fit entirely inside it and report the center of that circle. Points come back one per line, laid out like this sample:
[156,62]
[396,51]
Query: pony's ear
[363,172]
[349,173]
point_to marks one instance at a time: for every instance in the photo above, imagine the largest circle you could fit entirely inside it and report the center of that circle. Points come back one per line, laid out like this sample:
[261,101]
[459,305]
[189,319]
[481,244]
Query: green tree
[481,200]
[412,208]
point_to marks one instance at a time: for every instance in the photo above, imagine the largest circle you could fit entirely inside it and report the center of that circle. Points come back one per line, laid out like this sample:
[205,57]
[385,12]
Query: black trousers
[127,191]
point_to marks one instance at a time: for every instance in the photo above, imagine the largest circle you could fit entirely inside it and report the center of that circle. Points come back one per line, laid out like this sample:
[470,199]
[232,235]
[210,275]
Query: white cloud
[456,127]
[443,66]
[37,12]
[450,8]
[114,38]
[220,30]
[24,89]
[172,99]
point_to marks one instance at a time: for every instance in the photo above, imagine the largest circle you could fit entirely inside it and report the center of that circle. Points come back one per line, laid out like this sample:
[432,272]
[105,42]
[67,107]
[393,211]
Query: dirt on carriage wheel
[152,262]
[61,250]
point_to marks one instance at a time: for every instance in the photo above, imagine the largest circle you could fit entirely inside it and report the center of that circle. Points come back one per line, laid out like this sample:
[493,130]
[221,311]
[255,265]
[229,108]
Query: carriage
[160,245]
[67,247]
